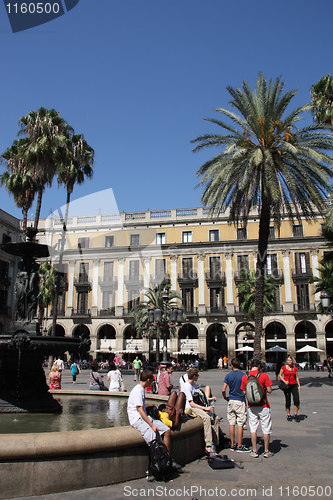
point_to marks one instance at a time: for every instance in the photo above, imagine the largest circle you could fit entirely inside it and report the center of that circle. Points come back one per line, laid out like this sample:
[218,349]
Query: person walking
[259,412]
[164,384]
[55,377]
[137,363]
[115,378]
[74,371]
[288,375]
[236,409]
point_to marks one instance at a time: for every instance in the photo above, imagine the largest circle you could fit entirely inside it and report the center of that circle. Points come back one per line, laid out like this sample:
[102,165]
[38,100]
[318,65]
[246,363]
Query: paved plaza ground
[302,466]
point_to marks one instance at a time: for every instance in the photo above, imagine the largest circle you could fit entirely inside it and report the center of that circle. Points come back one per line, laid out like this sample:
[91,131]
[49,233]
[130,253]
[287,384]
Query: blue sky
[137,77]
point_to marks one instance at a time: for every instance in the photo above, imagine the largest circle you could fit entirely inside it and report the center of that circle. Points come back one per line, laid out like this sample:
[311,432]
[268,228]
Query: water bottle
[212,451]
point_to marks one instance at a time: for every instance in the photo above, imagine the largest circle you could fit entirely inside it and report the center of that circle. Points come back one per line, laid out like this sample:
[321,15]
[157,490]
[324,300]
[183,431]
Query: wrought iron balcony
[217,278]
[299,274]
[216,311]
[188,278]
[191,311]
[304,308]
[81,313]
[82,282]
[110,311]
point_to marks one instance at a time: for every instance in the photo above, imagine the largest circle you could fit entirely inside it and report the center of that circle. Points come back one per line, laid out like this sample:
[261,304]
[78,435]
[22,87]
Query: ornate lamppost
[161,319]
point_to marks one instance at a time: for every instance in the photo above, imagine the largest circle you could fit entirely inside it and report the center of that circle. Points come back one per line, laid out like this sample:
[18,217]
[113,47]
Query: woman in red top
[288,375]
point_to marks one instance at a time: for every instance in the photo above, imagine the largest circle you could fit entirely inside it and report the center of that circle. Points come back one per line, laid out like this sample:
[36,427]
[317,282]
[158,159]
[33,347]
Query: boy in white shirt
[138,418]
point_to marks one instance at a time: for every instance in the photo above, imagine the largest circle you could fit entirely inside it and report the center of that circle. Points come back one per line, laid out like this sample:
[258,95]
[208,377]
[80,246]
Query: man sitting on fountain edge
[138,418]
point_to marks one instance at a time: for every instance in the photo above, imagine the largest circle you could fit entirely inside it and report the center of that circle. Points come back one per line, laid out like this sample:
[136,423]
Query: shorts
[147,432]
[137,371]
[236,412]
[262,414]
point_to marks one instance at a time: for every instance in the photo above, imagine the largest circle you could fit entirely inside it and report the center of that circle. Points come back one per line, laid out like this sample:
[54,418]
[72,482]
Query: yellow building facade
[110,259]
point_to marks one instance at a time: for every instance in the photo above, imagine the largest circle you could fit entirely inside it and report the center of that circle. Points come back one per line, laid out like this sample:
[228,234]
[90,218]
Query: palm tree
[46,131]
[247,291]
[76,165]
[154,299]
[322,100]
[18,179]
[325,282]
[268,163]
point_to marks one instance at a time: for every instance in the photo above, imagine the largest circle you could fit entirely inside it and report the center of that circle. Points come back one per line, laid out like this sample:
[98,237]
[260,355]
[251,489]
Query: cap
[256,362]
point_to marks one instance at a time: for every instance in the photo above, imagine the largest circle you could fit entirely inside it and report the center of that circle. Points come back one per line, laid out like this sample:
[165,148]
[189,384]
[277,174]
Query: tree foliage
[265,162]
[247,290]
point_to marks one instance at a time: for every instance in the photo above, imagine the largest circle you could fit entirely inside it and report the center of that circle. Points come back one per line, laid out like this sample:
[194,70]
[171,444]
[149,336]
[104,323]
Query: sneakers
[297,418]
[289,418]
[242,449]
[268,454]
[232,447]
[254,454]
[175,466]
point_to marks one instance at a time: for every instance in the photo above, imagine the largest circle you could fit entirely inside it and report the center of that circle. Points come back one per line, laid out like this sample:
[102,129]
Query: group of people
[200,403]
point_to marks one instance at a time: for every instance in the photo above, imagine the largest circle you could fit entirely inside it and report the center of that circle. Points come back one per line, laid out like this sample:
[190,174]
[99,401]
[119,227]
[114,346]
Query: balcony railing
[81,313]
[222,310]
[189,277]
[191,311]
[304,308]
[275,274]
[160,278]
[302,274]
[110,311]
[82,282]
[215,277]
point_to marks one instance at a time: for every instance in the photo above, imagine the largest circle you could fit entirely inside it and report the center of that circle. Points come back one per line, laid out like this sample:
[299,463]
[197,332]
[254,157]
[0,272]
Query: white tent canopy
[276,348]
[309,348]
[245,348]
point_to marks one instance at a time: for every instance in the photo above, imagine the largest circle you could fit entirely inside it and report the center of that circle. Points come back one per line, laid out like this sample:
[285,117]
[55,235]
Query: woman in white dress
[115,378]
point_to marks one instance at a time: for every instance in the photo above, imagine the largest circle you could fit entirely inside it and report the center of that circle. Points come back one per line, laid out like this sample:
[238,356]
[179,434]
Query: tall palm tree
[18,179]
[76,165]
[322,100]
[322,108]
[247,292]
[153,299]
[46,131]
[47,285]
[265,162]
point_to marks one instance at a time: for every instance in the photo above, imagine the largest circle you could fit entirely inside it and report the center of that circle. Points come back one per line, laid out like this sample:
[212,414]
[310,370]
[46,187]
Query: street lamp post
[162,319]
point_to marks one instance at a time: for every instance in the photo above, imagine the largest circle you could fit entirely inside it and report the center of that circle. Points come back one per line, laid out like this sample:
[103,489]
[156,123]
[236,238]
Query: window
[133,298]
[135,240]
[83,272]
[108,300]
[271,264]
[187,268]
[241,233]
[160,238]
[271,232]
[216,299]
[134,269]
[303,300]
[302,262]
[82,303]
[83,243]
[187,237]
[108,271]
[297,230]
[109,241]
[215,267]
[160,267]
[214,235]
[187,296]
[242,264]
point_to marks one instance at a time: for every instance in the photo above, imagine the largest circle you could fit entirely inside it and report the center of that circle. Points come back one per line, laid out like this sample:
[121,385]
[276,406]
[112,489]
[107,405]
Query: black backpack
[160,461]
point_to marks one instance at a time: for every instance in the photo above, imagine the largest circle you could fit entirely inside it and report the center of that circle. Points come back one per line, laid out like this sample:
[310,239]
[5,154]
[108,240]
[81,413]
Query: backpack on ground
[253,390]
[221,462]
[160,461]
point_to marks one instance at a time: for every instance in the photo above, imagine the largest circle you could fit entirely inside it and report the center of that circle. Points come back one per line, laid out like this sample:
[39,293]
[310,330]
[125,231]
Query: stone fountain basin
[53,462]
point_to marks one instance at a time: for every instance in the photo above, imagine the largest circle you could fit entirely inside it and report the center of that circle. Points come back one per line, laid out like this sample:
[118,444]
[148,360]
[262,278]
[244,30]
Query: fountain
[22,350]
[72,459]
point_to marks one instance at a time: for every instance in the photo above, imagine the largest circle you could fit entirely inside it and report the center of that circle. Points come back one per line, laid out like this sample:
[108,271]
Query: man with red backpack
[255,386]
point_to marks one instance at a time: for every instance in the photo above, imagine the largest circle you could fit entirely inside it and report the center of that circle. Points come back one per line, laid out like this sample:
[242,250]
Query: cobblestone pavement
[300,468]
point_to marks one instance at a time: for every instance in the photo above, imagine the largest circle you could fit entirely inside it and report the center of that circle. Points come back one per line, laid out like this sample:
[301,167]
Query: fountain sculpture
[23,386]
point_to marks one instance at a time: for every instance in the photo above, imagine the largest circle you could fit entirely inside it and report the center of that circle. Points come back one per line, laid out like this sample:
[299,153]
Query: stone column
[94,303]
[321,344]
[201,284]
[70,292]
[120,291]
[231,339]
[315,270]
[288,306]
[174,259]
[291,343]
[146,275]
[230,284]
